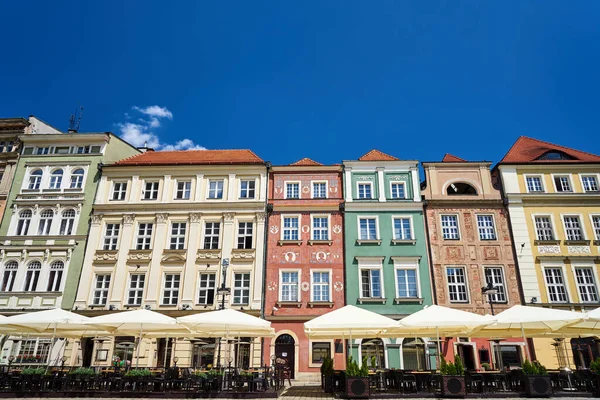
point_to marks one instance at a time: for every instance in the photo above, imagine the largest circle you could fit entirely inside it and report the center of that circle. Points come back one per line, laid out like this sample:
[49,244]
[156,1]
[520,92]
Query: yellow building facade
[554,207]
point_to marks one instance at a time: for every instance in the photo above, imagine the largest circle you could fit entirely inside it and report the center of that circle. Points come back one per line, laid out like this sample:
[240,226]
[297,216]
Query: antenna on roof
[75,120]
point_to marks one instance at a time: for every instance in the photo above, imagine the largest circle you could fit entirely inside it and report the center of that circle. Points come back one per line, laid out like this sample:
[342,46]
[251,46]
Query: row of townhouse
[94,225]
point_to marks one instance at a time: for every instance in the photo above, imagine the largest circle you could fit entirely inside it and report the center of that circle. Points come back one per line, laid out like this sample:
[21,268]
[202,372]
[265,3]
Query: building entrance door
[285,348]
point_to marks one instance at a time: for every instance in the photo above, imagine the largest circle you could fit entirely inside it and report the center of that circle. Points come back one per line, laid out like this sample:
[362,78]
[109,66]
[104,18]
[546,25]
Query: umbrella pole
[51,348]
[137,356]
[527,355]
[439,346]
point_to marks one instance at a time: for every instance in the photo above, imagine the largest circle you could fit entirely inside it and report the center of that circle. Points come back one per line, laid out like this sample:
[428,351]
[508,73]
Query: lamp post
[223,292]
[490,290]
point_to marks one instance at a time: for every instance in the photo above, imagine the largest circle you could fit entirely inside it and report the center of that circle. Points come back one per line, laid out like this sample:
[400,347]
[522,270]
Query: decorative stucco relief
[548,249]
[579,249]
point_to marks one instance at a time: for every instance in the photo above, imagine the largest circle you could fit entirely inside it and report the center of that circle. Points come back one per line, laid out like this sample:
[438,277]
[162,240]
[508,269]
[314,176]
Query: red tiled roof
[450,158]
[192,157]
[306,162]
[527,149]
[376,155]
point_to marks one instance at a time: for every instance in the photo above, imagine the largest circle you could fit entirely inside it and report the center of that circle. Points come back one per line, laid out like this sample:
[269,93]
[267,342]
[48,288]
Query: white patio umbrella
[348,321]
[226,322]
[139,321]
[590,326]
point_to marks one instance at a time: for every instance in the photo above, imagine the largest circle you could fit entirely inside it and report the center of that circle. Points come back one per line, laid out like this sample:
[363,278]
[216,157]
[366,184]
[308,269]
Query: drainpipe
[342,212]
[268,210]
[429,254]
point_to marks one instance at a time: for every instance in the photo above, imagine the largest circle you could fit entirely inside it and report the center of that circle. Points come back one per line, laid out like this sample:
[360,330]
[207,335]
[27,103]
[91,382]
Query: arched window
[9,275]
[413,354]
[35,179]
[461,189]
[374,350]
[555,155]
[285,339]
[23,223]
[32,277]
[45,222]
[77,179]
[67,222]
[55,278]
[56,179]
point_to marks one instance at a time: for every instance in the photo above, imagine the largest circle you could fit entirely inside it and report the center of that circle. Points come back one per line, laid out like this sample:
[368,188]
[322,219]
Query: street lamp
[490,290]
[223,292]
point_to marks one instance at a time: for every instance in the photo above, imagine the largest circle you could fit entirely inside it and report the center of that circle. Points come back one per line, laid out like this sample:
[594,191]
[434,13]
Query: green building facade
[386,257]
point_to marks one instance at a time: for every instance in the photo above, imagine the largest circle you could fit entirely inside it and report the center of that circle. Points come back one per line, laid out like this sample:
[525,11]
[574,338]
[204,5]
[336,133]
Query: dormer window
[555,155]
[461,189]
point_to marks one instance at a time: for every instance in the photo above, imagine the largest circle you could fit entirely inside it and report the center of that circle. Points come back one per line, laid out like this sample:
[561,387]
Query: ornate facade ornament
[579,249]
[208,254]
[228,217]
[195,217]
[337,229]
[274,229]
[548,249]
[305,229]
[128,219]
[161,218]
[338,286]
[364,178]
[139,256]
[290,256]
[272,286]
[278,190]
[96,218]
[261,216]
[305,189]
[305,286]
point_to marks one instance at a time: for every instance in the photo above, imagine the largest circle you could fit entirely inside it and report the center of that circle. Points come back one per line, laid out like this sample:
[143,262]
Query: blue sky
[322,79]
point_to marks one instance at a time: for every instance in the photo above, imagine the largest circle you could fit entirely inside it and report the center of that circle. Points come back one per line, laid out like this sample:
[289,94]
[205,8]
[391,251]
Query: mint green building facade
[386,260]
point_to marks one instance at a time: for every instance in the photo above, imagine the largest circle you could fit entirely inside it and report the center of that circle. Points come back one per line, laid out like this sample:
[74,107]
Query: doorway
[285,348]
[87,346]
[164,353]
[467,354]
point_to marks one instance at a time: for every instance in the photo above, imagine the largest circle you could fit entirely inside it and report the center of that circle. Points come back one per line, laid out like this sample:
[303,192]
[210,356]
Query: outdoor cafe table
[423,378]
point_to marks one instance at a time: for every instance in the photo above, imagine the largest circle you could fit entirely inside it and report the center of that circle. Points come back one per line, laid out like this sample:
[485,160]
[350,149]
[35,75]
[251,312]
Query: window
[67,222]
[83,149]
[562,183]
[42,150]
[319,190]
[367,228]
[496,277]
[290,228]
[485,225]
[573,227]
[450,227]
[34,349]
[144,236]
[171,290]
[35,179]
[211,235]
[596,226]
[136,289]
[289,285]
[45,222]
[554,155]
[590,183]
[543,228]
[184,189]
[61,150]
[244,235]
[292,190]
[247,188]
[178,235]
[77,179]
[111,236]
[215,189]
[32,276]
[119,190]
[406,283]
[320,228]
[320,286]
[206,292]
[9,275]
[23,223]
[534,184]
[586,285]
[460,189]
[370,280]
[241,288]
[402,229]
[365,190]
[320,351]
[398,190]
[101,290]
[150,191]
[55,278]
[457,285]
[557,292]
[56,179]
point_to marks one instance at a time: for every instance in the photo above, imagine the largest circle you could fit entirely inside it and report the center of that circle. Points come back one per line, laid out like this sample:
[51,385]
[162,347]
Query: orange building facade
[304,263]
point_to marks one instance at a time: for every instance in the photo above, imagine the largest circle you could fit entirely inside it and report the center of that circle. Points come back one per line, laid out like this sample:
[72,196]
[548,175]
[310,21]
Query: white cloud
[141,134]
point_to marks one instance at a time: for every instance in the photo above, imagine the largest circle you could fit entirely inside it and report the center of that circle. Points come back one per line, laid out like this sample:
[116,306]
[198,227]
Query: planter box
[453,385]
[597,382]
[357,388]
[537,385]
[328,383]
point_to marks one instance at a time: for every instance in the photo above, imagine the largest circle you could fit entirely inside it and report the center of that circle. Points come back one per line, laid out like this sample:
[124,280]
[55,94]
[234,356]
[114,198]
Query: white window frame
[494,297]
[178,236]
[206,288]
[184,190]
[241,180]
[371,265]
[26,226]
[370,183]
[552,226]
[233,274]
[597,176]
[563,270]
[403,183]
[569,178]
[285,189]
[581,226]
[237,234]
[493,226]
[541,176]
[329,285]
[312,189]
[137,297]
[299,284]
[312,226]
[466,284]
[458,232]
[412,227]
[204,235]
[398,265]
[56,180]
[45,223]
[56,276]
[33,284]
[146,238]
[596,232]
[12,275]
[74,181]
[152,190]
[104,290]
[170,289]
[283,228]
[122,192]
[216,190]
[593,269]
[34,184]
[114,238]
[376,218]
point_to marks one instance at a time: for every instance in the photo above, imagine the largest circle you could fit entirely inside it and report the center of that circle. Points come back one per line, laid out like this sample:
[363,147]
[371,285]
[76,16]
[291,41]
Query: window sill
[546,242]
[375,300]
[97,306]
[128,306]
[289,242]
[174,251]
[488,240]
[30,190]
[214,198]
[29,293]
[73,190]
[289,304]
[596,242]
[318,242]
[368,241]
[239,304]
[403,241]
[403,300]
[313,304]
[577,242]
[149,199]
[51,190]
[451,239]
[247,198]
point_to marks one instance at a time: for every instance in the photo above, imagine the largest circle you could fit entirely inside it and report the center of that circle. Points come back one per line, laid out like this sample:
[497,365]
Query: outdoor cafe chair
[474,382]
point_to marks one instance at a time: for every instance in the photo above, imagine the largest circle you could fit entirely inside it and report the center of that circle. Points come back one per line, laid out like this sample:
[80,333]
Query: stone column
[87,271]
[190,270]
[154,277]
[120,277]
[380,184]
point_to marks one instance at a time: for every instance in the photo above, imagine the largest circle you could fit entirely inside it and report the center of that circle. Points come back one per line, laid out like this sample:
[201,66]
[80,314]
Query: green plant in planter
[533,368]
[327,366]
[81,371]
[595,366]
[136,373]
[34,371]
[458,365]
[214,372]
[373,362]
[200,375]
[353,370]
[486,366]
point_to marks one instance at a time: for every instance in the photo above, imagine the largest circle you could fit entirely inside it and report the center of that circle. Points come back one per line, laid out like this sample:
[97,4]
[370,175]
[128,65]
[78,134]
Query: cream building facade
[167,230]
